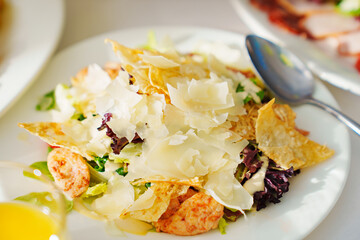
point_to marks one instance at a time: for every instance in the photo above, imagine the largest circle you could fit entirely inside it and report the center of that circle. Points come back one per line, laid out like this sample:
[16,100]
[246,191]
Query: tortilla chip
[157,79]
[284,144]
[245,126]
[193,182]
[164,192]
[51,133]
[285,114]
[129,55]
[112,68]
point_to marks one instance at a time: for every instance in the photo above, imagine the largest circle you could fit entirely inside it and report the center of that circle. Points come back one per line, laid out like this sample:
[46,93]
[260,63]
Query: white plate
[31,33]
[312,193]
[324,64]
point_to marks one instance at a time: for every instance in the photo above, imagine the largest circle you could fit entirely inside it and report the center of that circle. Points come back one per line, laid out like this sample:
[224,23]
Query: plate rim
[36,72]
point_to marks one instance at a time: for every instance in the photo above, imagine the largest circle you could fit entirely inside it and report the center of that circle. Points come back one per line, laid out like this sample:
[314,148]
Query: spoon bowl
[287,76]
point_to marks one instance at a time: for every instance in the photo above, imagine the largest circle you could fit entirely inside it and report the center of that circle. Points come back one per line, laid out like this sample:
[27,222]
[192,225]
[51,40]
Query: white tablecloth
[87,18]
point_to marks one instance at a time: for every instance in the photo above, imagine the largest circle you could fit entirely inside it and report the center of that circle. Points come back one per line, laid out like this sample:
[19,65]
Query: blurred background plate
[29,31]
[325,64]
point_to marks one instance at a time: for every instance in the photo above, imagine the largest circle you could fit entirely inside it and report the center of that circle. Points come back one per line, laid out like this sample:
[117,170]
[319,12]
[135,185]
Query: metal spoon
[287,77]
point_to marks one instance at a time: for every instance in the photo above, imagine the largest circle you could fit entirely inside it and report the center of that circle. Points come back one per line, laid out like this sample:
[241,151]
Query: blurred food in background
[334,25]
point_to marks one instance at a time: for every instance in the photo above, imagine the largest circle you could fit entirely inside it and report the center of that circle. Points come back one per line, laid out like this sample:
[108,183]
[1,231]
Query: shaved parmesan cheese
[163,192]
[208,92]
[225,189]
[159,61]
[201,95]
[177,139]
[96,80]
[225,140]
[193,157]
[175,119]
[145,201]
[118,99]
[118,197]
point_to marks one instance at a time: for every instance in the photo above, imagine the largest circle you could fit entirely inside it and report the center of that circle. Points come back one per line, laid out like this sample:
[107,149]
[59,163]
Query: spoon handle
[340,116]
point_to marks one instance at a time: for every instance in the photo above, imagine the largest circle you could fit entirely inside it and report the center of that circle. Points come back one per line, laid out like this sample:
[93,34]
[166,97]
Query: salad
[180,143]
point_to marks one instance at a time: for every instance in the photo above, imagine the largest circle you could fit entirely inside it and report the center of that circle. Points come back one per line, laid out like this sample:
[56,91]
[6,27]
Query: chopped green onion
[78,116]
[247,99]
[261,94]
[121,171]
[100,161]
[148,184]
[239,88]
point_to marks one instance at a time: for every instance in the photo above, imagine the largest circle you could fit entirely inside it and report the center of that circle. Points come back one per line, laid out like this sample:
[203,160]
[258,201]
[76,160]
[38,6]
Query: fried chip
[285,114]
[51,133]
[284,144]
[129,55]
[163,193]
[245,126]
[196,182]
[113,69]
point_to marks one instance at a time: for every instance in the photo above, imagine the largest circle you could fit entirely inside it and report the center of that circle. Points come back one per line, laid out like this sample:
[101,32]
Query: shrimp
[70,172]
[197,214]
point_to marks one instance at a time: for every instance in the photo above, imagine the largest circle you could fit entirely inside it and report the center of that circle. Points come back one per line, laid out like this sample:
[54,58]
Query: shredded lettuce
[100,161]
[129,151]
[44,199]
[47,102]
[151,41]
[95,190]
[222,225]
[42,167]
[139,190]
[95,176]
[121,171]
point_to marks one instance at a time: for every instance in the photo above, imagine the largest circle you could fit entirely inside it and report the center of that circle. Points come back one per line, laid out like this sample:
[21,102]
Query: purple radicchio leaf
[276,184]
[231,215]
[250,159]
[117,143]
